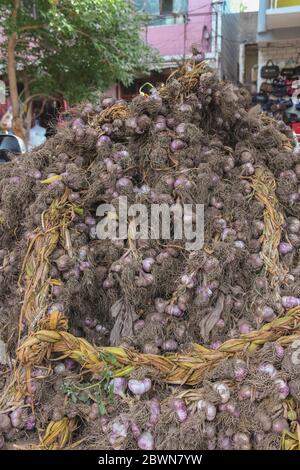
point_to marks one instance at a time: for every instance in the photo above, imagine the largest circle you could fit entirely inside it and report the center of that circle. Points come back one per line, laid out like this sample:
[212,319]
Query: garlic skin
[139,387]
[223,391]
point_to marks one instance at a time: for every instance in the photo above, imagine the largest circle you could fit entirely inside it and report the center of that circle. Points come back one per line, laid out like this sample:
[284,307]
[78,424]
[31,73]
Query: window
[150,6]
[166,7]
[164,11]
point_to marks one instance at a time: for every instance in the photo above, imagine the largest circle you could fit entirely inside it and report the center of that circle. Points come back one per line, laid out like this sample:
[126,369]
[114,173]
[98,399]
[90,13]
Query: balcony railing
[168,19]
[164,12]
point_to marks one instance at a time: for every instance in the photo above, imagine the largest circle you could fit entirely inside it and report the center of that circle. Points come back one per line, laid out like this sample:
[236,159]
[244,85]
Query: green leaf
[77,47]
[102,409]
[100,403]
[83,396]
[73,398]
[79,210]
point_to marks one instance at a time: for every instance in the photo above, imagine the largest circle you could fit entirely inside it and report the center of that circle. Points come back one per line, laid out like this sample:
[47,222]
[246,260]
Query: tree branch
[32,27]
[11,63]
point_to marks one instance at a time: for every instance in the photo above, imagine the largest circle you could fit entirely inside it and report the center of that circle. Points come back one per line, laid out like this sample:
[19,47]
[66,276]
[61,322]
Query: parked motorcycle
[10,144]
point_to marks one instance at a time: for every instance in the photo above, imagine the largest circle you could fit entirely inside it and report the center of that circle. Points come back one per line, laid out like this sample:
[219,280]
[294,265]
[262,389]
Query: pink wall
[177,39]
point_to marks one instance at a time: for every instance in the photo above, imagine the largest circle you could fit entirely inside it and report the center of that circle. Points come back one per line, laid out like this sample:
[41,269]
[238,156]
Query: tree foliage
[75,46]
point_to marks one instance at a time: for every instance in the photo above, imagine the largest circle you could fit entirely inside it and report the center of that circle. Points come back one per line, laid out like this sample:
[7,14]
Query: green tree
[74,47]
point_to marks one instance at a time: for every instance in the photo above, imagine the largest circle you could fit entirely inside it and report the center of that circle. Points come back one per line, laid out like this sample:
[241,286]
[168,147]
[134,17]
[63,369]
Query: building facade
[272,36]
[278,33]
[175,27]
[271,33]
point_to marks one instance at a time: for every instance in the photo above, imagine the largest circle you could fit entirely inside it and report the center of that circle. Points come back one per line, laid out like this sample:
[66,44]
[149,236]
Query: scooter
[10,144]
